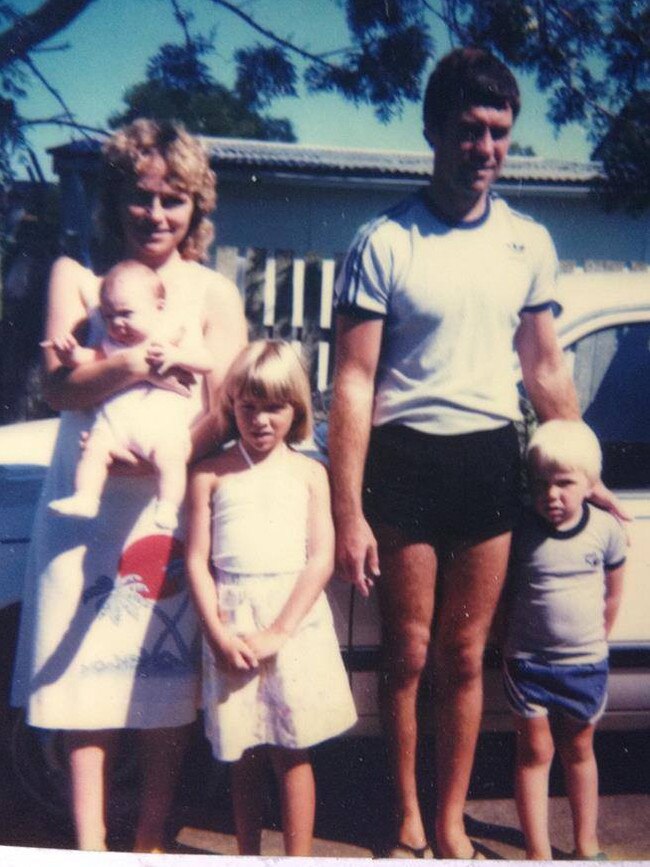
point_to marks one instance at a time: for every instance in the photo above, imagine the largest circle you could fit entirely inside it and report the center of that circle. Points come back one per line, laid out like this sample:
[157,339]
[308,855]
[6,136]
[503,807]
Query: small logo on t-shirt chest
[593,559]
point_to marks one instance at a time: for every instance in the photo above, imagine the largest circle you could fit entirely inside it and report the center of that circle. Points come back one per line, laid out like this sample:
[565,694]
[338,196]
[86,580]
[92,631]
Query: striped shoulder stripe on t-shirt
[354,261]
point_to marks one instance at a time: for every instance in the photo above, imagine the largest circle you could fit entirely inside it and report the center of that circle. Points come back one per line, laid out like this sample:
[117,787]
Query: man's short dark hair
[467,77]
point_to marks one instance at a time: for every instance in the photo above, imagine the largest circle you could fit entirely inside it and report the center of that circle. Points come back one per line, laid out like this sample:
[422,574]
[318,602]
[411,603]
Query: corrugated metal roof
[280,156]
[300,159]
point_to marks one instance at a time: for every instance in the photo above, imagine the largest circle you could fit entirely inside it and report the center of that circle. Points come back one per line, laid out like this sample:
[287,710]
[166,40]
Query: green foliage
[263,74]
[518,150]
[179,86]
[213,110]
[625,155]
[590,57]
[179,67]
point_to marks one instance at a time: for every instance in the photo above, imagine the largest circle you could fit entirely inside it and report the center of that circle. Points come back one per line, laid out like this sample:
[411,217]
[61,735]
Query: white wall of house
[322,217]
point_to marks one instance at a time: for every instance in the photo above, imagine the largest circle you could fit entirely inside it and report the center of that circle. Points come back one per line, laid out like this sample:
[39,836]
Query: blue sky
[110,43]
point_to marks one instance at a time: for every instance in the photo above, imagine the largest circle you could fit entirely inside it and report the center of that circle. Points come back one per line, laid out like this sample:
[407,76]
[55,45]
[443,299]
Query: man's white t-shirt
[451,297]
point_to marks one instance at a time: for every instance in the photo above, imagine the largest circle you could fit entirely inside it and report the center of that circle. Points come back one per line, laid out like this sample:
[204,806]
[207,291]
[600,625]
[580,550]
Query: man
[432,298]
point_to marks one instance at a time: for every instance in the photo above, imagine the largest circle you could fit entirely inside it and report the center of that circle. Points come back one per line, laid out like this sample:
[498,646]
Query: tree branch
[269,34]
[28,31]
[52,90]
[59,120]
[182,20]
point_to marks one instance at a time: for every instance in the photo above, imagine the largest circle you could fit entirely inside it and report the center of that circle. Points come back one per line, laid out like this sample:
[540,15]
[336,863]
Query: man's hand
[356,554]
[601,496]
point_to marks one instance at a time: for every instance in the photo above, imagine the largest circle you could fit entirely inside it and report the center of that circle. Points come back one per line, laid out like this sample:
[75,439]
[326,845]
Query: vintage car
[605,329]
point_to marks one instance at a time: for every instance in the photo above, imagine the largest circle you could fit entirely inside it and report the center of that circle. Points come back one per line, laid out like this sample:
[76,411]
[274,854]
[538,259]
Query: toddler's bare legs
[575,745]
[295,777]
[161,753]
[90,478]
[248,800]
[170,460]
[90,756]
[534,756]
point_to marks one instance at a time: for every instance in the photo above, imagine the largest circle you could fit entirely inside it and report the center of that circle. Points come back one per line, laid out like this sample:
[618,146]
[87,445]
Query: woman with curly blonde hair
[108,637]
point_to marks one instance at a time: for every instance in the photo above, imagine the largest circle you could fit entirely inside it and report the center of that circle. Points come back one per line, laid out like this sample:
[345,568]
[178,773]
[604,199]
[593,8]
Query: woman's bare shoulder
[67,268]
[213,280]
[73,291]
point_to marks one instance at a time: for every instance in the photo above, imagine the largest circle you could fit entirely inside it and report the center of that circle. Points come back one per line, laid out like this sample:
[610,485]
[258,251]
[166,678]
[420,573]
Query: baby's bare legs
[534,756]
[169,458]
[575,746]
[295,778]
[90,477]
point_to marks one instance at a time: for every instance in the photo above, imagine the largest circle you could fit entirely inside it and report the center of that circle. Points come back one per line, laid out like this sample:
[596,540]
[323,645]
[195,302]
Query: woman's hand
[235,652]
[162,357]
[266,643]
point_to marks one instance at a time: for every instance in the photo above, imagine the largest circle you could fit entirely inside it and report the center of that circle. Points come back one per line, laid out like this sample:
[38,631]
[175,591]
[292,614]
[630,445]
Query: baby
[150,421]
[567,564]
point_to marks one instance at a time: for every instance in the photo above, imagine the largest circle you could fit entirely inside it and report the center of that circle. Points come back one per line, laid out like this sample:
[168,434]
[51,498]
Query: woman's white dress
[108,636]
[259,541]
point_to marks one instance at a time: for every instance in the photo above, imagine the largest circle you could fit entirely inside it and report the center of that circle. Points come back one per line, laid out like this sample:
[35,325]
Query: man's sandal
[403,850]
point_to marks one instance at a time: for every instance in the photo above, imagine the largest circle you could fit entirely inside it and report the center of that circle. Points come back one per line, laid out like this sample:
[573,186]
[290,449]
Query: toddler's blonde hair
[562,444]
[270,370]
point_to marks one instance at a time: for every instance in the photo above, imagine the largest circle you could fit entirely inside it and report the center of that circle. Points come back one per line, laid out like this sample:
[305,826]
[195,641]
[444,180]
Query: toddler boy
[567,568]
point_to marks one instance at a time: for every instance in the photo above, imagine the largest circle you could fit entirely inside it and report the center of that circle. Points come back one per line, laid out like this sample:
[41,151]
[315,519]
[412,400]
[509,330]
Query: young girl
[274,682]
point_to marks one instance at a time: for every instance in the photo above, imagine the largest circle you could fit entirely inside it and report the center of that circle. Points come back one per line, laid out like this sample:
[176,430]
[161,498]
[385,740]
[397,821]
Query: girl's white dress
[259,541]
[109,637]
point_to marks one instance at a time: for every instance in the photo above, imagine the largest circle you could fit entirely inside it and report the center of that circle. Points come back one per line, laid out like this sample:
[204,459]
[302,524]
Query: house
[278,203]
[303,198]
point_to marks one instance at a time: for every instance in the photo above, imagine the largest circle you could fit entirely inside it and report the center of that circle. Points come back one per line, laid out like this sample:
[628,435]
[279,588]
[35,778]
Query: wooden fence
[287,296]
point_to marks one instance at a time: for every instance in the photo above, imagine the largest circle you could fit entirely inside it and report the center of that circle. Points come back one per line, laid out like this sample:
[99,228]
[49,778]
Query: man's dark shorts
[435,488]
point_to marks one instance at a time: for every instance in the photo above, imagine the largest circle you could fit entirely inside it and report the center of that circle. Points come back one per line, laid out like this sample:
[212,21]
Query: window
[611,369]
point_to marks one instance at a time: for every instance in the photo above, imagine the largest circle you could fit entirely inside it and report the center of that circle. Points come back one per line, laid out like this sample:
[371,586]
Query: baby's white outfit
[143,416]
[301,696]
[140,418]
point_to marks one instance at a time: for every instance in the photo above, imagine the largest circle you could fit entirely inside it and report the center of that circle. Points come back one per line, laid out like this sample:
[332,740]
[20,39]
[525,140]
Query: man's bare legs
[534,757]
[161,752]
[90,757]
[471,578]
[406,592]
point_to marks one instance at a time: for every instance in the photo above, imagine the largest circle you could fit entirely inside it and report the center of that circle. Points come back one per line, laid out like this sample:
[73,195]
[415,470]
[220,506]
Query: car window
[611,369]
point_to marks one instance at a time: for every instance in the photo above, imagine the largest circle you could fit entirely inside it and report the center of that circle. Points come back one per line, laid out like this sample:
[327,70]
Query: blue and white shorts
[538,689]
